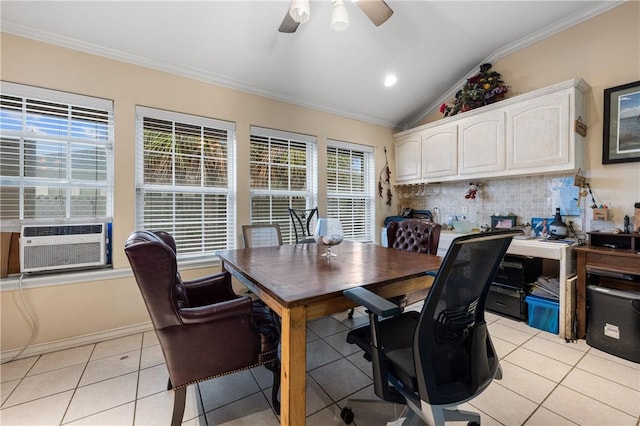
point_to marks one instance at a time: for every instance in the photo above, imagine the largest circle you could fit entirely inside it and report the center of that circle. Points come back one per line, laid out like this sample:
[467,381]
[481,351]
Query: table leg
[294,366]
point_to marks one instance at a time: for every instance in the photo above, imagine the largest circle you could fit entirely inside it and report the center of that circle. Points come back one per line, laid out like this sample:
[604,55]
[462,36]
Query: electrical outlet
[436,209]
[465,210]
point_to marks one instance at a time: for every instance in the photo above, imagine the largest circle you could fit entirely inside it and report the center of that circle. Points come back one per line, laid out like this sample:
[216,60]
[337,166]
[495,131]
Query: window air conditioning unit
[54,247]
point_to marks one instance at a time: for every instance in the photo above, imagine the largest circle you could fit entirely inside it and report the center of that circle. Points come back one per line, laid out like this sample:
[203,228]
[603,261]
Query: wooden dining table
[299,284]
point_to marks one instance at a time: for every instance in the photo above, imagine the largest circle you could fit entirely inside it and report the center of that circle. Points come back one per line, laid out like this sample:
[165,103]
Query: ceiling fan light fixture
[300,10]
[339,17]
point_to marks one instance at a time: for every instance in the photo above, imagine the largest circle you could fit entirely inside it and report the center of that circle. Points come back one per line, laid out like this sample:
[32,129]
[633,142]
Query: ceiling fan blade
[376,10]
[288,24]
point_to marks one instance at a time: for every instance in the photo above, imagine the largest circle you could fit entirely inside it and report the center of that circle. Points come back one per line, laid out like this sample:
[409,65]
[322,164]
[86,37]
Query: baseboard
[72,342]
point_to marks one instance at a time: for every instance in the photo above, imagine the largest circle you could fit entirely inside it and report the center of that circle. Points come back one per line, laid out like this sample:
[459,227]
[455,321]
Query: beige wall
[76,309]
[605,52]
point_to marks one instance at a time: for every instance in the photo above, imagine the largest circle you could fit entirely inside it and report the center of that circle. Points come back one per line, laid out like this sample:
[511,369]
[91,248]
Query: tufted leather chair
[205,330]
[414,235]
[418,235]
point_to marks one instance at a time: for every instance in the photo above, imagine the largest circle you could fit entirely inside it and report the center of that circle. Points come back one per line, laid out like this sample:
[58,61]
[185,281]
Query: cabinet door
[408,158]
[481,144]
[440,152]
[538,133]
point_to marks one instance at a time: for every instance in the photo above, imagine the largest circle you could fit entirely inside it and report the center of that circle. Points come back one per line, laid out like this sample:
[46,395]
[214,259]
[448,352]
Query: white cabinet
[439,152]
[481,144]
[524,135]
[539,134]
[408,165]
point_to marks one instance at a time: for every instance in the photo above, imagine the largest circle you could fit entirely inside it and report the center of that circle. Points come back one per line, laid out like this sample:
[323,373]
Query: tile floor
[122,382]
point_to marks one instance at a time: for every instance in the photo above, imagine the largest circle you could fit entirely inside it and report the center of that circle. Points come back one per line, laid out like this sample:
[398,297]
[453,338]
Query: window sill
[30,281]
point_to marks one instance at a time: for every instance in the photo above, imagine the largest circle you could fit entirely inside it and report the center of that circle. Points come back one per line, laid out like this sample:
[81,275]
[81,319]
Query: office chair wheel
[347,415]
[473,424]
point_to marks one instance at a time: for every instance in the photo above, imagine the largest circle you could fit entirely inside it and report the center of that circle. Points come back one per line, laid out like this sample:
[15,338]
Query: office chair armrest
[209,289]
[229,308]
[376,304]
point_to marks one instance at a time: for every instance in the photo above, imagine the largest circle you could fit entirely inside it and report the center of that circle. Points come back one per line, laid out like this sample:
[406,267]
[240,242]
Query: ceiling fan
[300,11]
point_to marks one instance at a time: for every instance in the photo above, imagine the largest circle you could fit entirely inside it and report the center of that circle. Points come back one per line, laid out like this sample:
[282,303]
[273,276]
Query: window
[56,156]
[350,188]
[185,180]
[283,174]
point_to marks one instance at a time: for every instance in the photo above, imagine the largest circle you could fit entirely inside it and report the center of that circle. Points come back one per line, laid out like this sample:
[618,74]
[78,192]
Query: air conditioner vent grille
[61,255]
[47,231]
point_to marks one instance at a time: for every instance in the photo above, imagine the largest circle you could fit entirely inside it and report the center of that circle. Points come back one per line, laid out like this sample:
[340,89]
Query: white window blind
[283,175]
[186,180]
[350,188]
[56,156]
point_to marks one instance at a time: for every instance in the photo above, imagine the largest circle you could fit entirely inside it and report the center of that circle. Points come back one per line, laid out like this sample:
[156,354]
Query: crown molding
[531,39]
[179,70]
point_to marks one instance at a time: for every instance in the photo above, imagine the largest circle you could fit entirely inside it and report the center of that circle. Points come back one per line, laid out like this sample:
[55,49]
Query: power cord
[33,323]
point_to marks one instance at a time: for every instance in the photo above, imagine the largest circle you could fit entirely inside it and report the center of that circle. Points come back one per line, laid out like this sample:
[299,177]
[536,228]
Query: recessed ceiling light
[390,80]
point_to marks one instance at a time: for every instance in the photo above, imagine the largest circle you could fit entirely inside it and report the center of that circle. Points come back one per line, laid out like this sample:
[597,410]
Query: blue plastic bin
[543,313]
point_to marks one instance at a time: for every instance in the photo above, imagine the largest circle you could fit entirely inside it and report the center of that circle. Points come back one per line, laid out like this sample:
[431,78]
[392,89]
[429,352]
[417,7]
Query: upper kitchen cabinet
[528,134]
[408,164]
[481,144]
[541,135]
[439,152]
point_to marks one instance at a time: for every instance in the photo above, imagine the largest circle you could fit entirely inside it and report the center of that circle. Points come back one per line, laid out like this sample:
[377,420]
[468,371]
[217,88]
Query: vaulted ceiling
[431,46]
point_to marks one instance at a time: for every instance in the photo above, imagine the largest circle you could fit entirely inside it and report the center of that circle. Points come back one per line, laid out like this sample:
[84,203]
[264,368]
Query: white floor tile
[558,349]
[504,405]
[97,397]
[525,383]
[250,411]
[62,359]
[226,389]
[149,338]
[518,325]
[328,416]
[45,384]
[539,364]
[339,343]
[16,369]
[611,370]
[117,416]
[544,417]
[157,409]
[326,326]
[113,366]
[320,353]
[340,378]
[151,355]
[363,365]
[509,334]
[117,346]
[42,412]
[6,389]
[603,390]
[613,358]
[502,347]
[152,380]
[583,410]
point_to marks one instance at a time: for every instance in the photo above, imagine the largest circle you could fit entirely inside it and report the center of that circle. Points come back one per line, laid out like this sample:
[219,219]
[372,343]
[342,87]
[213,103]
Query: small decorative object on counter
[484,88]
[627,229]
[557,228]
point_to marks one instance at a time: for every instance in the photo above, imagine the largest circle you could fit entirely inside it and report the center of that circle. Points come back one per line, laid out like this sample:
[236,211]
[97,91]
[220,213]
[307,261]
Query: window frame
[187,248]
[309,194]
[367,195]
[79,108]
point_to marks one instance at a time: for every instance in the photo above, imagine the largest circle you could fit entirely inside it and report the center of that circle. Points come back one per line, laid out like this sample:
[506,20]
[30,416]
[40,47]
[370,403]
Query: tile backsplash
[523,196]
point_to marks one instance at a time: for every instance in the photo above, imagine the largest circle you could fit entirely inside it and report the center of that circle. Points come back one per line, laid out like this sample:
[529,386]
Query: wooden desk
[299,285]
[603,259]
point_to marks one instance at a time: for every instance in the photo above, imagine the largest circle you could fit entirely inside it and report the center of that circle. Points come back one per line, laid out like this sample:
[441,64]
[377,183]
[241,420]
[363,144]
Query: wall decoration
[384,181]
[621,129]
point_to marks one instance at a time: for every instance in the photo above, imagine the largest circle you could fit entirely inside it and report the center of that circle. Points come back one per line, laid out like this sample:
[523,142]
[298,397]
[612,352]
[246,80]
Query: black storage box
[507,300]
[614,321]
[518,270]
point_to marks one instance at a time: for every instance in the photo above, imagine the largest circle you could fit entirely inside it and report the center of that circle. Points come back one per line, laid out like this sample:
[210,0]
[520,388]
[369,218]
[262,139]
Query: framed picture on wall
[621,126]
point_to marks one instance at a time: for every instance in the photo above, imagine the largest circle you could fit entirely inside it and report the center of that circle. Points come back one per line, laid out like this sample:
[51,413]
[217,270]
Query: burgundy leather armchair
[413,235]
[205,330]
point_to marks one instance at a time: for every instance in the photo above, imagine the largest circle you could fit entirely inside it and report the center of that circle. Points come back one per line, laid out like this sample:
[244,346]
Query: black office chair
[443,356]
[301,219]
